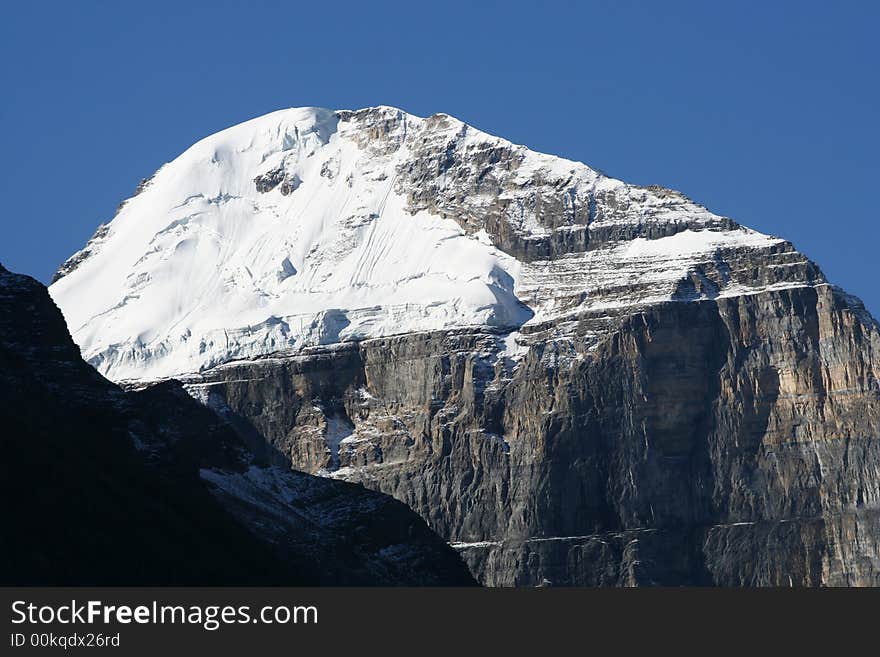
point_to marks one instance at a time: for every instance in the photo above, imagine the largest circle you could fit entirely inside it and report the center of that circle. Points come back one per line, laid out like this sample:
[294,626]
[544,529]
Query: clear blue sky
[765,111]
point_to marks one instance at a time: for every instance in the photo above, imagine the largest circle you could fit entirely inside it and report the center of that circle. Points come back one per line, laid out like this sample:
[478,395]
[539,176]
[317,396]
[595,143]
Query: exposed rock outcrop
[730,441]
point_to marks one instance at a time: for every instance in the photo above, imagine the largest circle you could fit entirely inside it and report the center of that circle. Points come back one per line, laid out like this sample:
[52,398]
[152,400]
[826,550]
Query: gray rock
[719,441]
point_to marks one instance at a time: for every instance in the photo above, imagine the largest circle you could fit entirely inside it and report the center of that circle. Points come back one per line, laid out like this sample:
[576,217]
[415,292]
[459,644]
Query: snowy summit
[311,226]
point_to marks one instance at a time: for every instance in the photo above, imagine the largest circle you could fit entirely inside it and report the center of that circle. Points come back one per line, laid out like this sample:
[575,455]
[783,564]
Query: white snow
[339,430]
[476,544]
[689,242]
[201,268]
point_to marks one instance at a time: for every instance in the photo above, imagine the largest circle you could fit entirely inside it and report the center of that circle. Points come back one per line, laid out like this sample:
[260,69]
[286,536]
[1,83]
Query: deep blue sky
[765,111]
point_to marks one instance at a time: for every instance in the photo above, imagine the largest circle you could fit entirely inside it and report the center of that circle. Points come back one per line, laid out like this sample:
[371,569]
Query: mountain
[102,486]
[308,227]
[572,379]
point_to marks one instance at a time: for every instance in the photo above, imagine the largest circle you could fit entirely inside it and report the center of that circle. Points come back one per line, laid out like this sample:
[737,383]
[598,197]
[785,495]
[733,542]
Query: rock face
[730,441]
[100,486]
[649,394]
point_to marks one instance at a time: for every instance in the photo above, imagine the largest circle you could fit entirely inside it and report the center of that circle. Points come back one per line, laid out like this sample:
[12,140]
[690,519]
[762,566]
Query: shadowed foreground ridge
[101,486]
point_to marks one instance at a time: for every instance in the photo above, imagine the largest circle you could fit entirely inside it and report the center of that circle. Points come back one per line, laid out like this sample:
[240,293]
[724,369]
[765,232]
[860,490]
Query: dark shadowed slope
[101,486]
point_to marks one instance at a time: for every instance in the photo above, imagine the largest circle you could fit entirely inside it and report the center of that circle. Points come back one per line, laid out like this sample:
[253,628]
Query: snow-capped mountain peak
[311,226]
